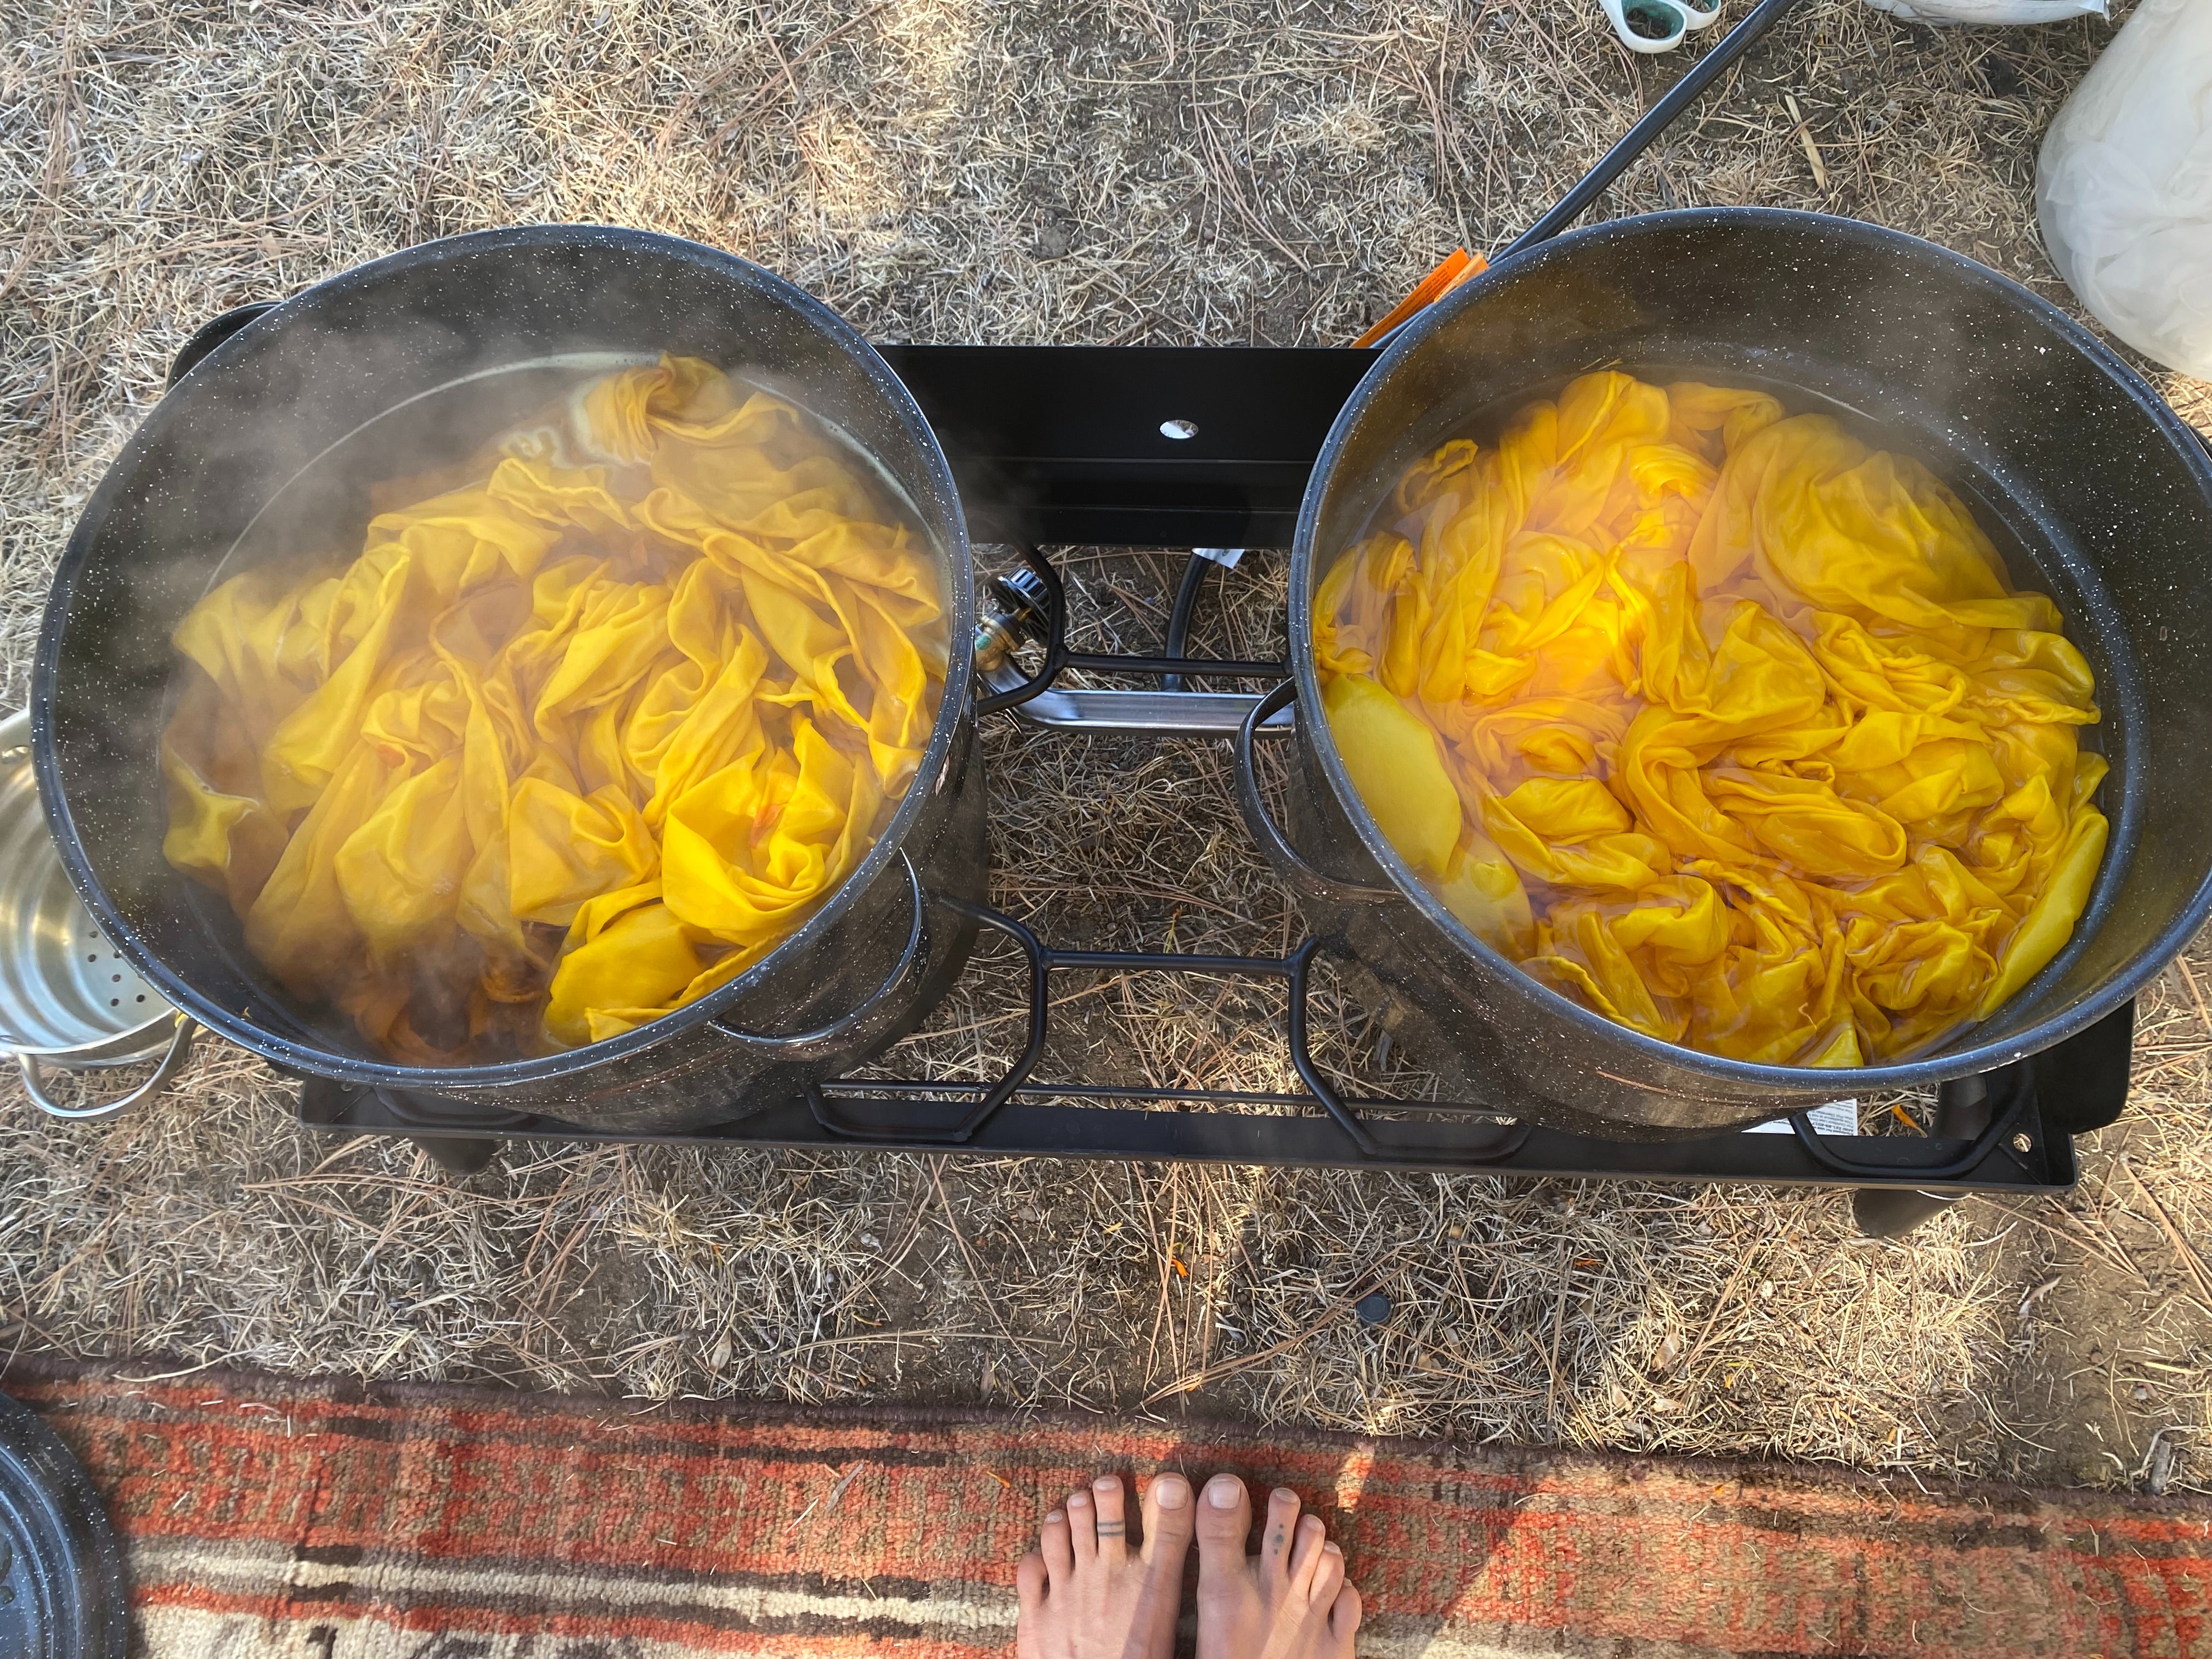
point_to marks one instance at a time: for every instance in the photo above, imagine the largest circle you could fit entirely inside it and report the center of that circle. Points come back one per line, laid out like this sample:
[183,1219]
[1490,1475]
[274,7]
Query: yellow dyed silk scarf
[1717,722]
[573,741]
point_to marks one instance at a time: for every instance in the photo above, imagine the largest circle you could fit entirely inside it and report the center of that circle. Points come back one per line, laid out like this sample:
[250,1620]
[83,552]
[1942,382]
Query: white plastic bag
[2124,188]
[1990,11]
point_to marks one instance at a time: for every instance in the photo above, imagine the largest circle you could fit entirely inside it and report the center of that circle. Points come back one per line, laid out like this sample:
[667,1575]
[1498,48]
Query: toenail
[1057,1518]
[1077,1500]
[1332,1547]
[1223,1492]
[1170,1492]
[1106,1483]
[1283,1495]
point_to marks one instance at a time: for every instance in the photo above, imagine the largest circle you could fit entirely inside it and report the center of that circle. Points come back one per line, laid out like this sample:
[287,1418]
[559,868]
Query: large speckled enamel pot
[2090,484]
[410,362]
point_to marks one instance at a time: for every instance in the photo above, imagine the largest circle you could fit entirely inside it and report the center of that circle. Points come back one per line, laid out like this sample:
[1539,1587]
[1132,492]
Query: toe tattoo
[1112,1528]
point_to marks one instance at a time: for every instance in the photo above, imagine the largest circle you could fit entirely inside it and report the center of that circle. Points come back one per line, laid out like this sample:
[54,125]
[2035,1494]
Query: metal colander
[68,999]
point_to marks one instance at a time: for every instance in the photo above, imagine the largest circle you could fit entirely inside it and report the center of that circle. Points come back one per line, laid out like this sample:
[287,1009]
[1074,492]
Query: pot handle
[210,335]
[1290,864]
[180,1046]
[802,1045]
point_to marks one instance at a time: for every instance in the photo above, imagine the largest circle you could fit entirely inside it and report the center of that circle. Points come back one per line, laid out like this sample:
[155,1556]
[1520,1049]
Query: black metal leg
[1965,1110]
[461,1155]
[1887,1212]
[1179,619]
[330,1105]
[2082,1084]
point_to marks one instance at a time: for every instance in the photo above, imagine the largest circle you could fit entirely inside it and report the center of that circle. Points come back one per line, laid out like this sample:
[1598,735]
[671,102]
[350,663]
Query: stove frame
[1204,446]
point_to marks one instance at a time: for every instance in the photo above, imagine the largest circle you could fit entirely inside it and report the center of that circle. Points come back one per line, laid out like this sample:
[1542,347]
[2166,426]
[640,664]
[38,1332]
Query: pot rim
[1799,1081]
[953,710]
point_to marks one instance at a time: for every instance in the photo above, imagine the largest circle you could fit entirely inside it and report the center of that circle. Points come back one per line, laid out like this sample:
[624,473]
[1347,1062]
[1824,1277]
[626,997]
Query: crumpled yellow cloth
[573,740]
[1718,722]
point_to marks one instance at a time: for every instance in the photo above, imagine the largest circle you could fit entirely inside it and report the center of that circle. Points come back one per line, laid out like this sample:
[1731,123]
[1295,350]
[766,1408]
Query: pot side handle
[211,334]
[806,1045]
[173,1061]
[1292,866]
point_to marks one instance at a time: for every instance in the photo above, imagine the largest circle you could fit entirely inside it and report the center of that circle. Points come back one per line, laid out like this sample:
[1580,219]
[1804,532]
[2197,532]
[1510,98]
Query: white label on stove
[1836,1117]
[1226,557]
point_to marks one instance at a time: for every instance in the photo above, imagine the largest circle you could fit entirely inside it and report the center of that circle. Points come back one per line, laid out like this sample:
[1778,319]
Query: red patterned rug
[266,1516]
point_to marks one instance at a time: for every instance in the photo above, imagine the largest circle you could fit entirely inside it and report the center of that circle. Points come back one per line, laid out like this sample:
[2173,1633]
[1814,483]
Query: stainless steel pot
[70,1000]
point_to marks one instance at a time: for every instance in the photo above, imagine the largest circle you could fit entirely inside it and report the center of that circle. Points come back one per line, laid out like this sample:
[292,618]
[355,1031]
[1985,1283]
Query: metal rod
[987,1105]
[1164,962]
[1113,662]
[1177,642]
[911,1087]
[1157,713]
[1678,97]
[1303,1062]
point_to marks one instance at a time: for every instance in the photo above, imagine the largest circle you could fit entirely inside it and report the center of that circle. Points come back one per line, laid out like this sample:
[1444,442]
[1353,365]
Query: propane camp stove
[1210,448]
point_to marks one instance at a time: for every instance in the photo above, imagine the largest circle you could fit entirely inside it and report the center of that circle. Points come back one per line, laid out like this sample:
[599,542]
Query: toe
[1058,1548]
[1306,1540]
[1083,1526]
[1328,1574]
[1224,1522]
[1344,1618]
[1112,1525]
[1275,1532]
[1030,1579]
[1167,1520]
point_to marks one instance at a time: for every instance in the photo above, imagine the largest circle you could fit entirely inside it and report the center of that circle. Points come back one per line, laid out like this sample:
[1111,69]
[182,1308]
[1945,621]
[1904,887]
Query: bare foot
[1088,1591]
[1288,1601]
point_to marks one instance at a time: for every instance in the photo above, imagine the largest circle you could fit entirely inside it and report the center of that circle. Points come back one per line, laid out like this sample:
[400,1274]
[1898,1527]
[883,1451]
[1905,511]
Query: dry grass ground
[1124,171]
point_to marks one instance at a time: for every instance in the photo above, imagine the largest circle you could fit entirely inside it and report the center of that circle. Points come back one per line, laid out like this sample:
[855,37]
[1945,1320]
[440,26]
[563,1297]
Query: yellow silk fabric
[573,740]
[1718,722]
